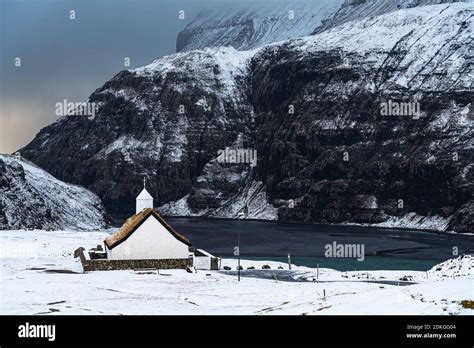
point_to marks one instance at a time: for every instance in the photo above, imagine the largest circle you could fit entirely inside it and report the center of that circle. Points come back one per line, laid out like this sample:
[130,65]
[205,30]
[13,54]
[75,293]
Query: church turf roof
[134,222]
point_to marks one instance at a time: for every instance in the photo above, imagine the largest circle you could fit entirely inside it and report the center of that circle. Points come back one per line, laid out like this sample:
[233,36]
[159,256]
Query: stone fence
[108,265]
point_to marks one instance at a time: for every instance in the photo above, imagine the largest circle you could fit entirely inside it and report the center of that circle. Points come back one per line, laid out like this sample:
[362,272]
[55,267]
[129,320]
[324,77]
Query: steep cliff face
[265,22]
[32,198]
[338,156]
[314,108]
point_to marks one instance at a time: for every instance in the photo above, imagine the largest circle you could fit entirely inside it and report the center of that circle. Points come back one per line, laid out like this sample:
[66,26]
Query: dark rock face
[463,218]
[387,158]
[312,108]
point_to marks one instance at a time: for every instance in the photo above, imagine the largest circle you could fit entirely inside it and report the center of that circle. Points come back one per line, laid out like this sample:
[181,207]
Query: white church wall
[202,262]
[150,241]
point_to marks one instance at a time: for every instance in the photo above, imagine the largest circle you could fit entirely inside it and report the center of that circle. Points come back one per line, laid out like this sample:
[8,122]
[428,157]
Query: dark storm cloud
[68,59]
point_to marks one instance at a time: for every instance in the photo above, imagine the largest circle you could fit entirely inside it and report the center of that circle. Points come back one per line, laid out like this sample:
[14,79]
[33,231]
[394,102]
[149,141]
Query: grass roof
[132,224]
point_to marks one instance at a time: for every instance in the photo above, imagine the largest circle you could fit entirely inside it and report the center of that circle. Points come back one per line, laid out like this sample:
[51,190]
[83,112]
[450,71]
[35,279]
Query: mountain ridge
[335,81]
[264,23]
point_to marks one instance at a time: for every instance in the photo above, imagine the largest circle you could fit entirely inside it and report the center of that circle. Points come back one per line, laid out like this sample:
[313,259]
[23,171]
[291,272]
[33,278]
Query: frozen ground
[40,276]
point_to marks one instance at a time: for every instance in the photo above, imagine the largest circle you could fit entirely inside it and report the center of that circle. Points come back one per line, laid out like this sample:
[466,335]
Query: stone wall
[109,265]
[94,264]
[214,263]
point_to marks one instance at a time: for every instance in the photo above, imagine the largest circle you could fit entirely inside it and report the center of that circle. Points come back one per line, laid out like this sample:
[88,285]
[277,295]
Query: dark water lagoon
[388,249]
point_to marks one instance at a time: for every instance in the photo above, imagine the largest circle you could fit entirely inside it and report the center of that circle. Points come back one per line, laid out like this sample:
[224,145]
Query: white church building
[146,236]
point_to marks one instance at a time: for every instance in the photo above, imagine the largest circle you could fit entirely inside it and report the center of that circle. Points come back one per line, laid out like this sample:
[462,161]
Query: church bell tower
[144,199]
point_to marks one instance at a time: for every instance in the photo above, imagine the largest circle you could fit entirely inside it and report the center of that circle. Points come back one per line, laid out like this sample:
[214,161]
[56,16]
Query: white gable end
[151,240]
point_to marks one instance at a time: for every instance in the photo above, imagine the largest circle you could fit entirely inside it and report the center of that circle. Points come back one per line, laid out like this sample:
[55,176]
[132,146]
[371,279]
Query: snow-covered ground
[40,276]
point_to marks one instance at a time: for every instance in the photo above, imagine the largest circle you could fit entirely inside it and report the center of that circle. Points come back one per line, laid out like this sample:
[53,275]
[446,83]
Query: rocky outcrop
[32,198]
[329,115]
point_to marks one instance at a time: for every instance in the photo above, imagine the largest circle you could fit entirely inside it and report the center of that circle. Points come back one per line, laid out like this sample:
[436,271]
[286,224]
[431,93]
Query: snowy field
[40,276]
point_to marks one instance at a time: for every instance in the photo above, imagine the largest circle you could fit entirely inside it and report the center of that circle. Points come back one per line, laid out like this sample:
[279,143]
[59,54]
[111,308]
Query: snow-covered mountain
[32,198]
[261,23]
[265,22]
[335,159]
[360,9]
[340,79]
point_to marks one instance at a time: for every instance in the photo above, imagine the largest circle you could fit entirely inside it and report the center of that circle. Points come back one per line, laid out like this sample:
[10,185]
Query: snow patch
[413,220]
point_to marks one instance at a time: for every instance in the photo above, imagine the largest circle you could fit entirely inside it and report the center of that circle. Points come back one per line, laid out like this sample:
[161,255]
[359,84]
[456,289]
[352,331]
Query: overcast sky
[68,59]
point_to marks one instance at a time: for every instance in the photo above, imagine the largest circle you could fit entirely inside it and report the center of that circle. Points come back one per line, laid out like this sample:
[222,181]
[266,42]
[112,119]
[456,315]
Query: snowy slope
[415,221]
[218,70]
[262,22]
[32,198]
[355,10]
[49,277]
[432,39]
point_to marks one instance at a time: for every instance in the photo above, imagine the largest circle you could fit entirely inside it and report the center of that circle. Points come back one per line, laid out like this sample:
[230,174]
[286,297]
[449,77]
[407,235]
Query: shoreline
[46,270]
[344,224]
